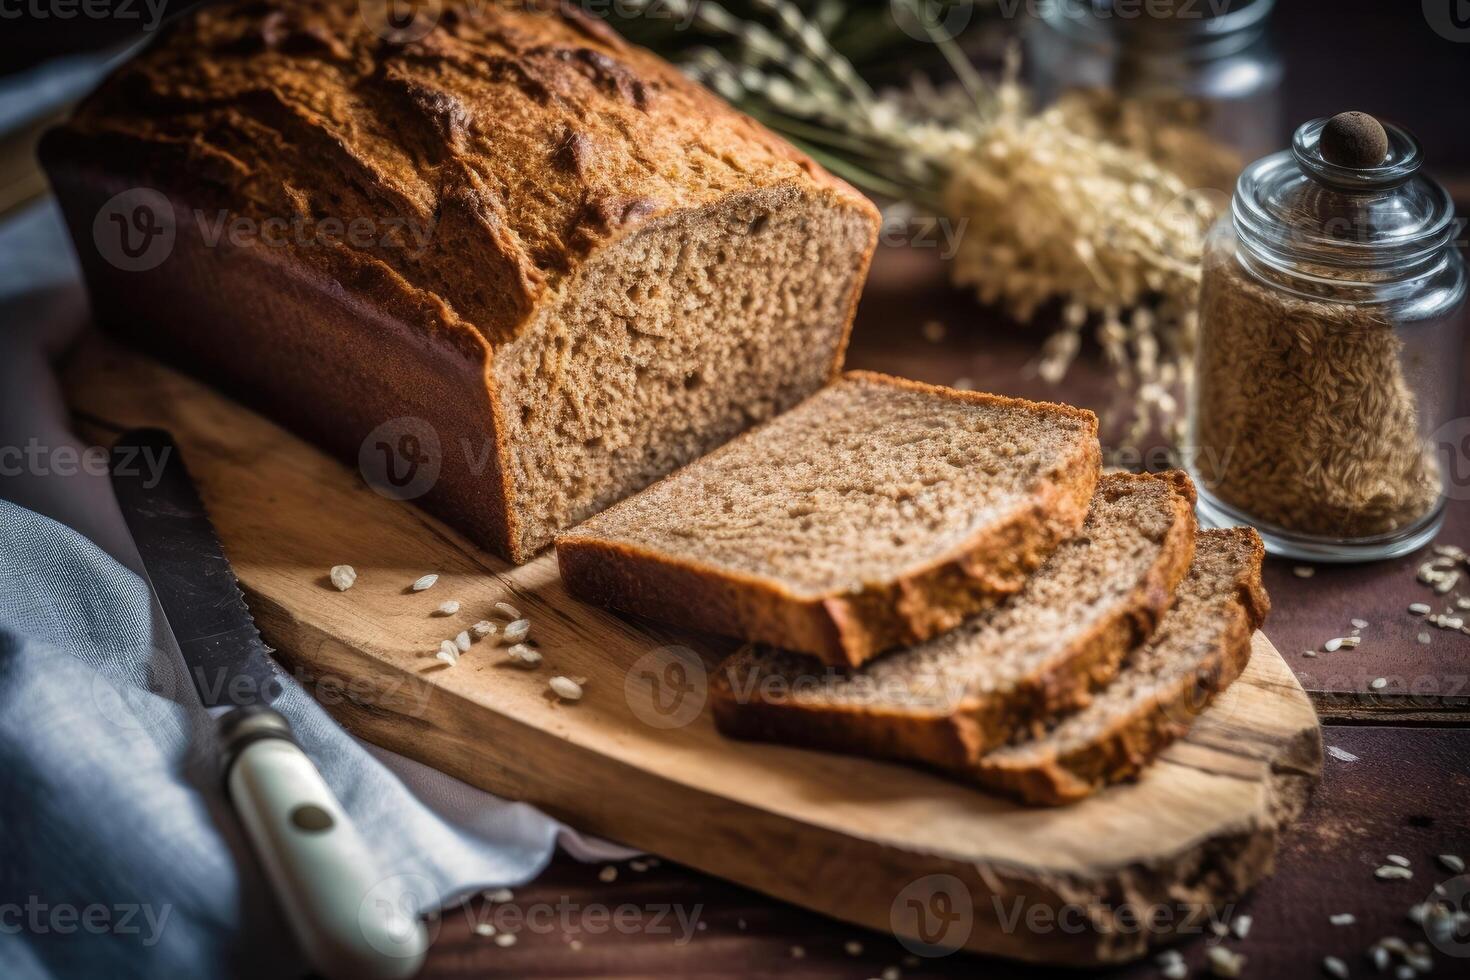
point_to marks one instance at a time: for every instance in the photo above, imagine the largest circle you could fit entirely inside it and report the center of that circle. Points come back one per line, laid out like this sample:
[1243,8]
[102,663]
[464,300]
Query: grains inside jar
[1304,417]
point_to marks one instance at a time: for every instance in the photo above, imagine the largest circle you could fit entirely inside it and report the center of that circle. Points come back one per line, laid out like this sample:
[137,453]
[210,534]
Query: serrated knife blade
[349,919]
[225,656]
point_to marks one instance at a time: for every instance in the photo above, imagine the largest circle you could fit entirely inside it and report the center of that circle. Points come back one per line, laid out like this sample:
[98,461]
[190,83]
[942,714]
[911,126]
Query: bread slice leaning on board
[877,513]
[513,266]
[945,702]
[1198,650]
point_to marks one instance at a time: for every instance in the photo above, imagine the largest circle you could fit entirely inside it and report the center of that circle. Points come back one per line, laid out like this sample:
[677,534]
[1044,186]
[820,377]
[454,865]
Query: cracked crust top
[472,159]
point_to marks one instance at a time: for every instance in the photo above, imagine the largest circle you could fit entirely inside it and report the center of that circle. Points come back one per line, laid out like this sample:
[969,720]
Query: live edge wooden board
[881,845]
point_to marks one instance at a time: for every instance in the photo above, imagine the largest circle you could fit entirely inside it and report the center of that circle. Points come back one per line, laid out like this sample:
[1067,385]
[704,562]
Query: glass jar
[1330,336]
[1195,86]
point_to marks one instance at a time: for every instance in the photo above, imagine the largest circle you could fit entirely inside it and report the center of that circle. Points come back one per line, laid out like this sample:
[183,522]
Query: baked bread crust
[493,159]
[1131,742]
[846,630]
[289,107]
[954,737]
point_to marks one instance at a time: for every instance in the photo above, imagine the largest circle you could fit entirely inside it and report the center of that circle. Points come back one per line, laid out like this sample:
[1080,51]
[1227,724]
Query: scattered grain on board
[505,939]
[853,947]
[1392,872]
[1225,962]
[483,628]
[1335,967]
[462,641]
[424,582]
[343,577]
[1452,862]
[525,656]
[1304,571]
[565,688]
[517,630]
[507,610]
[1341,755]
[1342,919]
[1398,859]
[448,607]
[608,875]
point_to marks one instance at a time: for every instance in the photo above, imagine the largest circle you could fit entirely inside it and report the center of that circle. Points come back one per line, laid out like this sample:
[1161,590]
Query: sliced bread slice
[877,513]
[1199,649]
[945,702]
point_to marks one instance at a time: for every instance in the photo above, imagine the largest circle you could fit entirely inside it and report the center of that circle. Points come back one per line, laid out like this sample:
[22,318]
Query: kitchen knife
[320,867]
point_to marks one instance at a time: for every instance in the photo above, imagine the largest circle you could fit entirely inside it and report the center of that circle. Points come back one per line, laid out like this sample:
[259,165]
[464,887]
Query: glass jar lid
[1373,223]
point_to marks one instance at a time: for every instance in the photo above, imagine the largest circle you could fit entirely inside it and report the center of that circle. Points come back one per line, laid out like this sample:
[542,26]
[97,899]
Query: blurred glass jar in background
[1194,84]
[1329,355]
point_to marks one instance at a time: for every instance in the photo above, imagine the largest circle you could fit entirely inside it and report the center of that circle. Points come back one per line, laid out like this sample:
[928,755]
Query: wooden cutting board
[638,759]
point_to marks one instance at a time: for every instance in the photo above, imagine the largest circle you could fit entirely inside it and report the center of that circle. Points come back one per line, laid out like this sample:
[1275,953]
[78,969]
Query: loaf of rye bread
[877,513]
[946,702]
[530,265]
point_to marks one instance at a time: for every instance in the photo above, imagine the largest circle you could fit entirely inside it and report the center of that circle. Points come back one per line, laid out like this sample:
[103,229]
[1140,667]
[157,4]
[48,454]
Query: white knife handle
[348,923]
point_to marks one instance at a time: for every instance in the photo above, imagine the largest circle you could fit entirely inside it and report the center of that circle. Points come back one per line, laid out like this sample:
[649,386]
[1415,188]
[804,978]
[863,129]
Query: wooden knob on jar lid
[1353,139]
